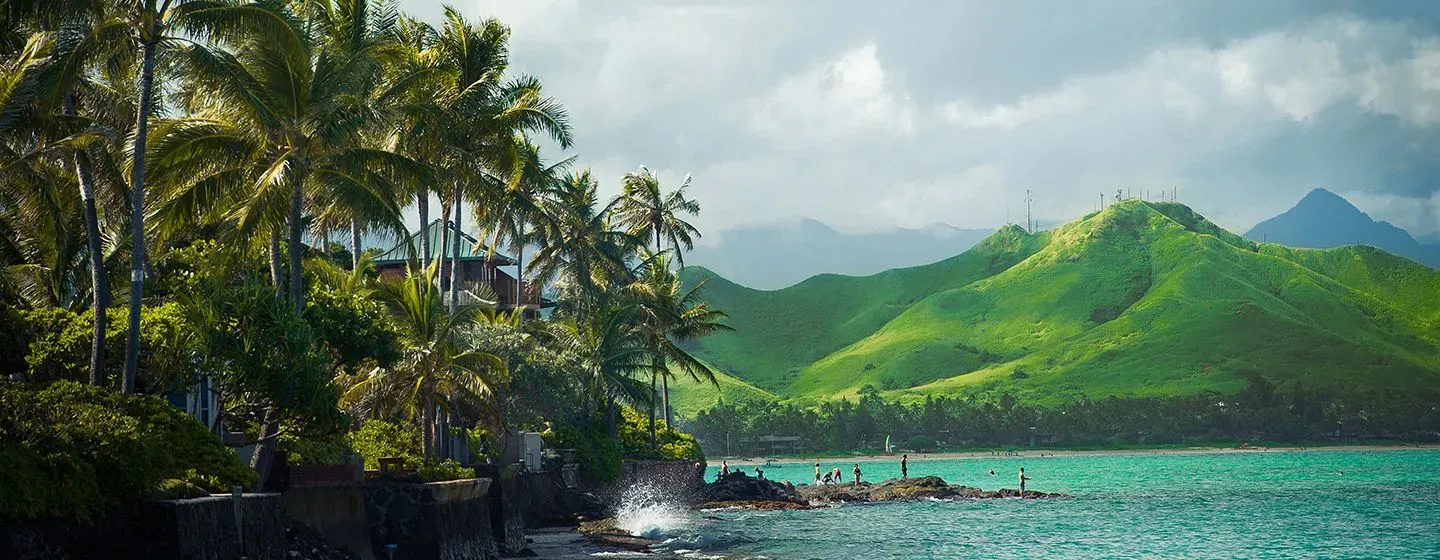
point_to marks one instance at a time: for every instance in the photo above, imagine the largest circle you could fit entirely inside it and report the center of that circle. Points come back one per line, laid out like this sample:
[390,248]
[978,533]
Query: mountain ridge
[1142,299]
[1323,220]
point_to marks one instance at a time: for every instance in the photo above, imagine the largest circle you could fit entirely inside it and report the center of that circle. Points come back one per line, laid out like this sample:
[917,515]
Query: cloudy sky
[872,115]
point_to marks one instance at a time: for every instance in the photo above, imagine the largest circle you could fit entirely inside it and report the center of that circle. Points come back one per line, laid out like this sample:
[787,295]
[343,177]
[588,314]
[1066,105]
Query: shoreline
[1049,453]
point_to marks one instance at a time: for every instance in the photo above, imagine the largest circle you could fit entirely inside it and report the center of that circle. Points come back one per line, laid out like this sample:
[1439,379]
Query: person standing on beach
[857,474]
[904,466]
[1023,478]
[817,472]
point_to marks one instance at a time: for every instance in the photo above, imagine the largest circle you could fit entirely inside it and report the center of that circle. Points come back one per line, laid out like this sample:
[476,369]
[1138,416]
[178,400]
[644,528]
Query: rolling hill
[1142,299]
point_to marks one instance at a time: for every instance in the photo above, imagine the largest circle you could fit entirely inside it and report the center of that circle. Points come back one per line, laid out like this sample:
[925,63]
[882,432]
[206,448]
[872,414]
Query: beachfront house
[485,276]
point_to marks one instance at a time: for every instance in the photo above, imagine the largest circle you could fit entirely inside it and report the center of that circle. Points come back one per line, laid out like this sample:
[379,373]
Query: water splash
[649,511]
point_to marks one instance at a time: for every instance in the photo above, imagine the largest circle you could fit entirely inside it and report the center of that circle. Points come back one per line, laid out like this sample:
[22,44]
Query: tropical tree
[513,217]
[647,211]
[277,124]
[581,247]
[668,314]
[438,372]
[486,117]
[612,350]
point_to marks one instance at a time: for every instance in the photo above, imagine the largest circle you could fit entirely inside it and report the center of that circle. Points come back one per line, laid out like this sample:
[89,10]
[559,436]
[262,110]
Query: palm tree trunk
[455,253]
[444,250]
[520,277]
[276,278]
[427,430]
[652,411]
[423,202]
[99,288]
[665,387]
[610,419]
[137,212]
[355,244]
[297,246]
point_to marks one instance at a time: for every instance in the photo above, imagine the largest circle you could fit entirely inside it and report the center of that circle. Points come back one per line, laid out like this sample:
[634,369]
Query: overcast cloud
[873,115]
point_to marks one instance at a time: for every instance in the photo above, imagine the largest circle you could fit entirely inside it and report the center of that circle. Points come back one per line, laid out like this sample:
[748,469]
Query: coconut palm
[437,372]
[274,125]
[581,247]
[668,314]
[486,116]
[513,217]
[647,211]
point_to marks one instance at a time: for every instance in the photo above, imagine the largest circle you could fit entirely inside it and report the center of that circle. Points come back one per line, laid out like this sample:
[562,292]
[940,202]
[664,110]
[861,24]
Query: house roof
[471,249]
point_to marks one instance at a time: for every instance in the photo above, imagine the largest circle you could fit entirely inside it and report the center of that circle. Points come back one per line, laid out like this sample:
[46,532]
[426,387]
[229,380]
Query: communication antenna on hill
[1102,202]
[1029,223]
[1174,194]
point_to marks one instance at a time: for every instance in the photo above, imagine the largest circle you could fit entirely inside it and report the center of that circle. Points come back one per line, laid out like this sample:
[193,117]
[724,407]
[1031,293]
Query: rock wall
[195,529]
[336,511]
[433,521]
[544,501]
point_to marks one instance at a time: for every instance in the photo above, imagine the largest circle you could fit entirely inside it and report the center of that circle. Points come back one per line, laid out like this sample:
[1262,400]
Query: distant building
[482,280]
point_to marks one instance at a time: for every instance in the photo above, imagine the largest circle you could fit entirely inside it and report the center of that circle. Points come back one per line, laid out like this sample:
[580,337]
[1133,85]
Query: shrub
[448,469]
[597,453]
[78,451]
[56,346]
[378,438]
[300,450]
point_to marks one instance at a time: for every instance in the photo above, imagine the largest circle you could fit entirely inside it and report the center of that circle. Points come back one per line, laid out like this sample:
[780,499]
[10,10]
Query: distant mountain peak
[1323,219]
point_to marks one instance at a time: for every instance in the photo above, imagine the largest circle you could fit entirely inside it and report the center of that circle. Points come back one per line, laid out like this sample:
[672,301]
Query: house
[485,275]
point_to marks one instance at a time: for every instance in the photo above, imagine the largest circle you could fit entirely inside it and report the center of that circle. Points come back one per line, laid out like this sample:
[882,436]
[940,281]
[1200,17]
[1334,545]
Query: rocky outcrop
[908,489]
[739,487]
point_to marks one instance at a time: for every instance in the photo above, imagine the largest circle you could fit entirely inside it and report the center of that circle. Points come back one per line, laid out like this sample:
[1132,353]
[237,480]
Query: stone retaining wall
[433,521]
[199,529]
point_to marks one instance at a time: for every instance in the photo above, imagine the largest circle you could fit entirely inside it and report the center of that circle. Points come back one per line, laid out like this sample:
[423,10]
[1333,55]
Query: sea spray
[649,511]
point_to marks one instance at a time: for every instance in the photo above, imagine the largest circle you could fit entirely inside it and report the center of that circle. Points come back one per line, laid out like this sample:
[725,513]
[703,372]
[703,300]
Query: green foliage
[597,454]
[378,438]
[176,489]
[448,469]
[354,326]
[1143,299]
[56,346]
[79,451]
[634,429]
[920,443]
[331,449]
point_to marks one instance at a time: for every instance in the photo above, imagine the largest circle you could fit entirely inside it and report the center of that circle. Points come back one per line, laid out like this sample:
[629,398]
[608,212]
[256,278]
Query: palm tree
[646,210]
[668,314]
[612,349]
[437,372]
[580,245]
[486,116]
[276,124]
[513,217]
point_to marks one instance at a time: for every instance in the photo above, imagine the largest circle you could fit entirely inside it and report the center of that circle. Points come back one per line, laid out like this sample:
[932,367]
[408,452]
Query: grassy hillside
[1145,299]
[779,333]
[688,396]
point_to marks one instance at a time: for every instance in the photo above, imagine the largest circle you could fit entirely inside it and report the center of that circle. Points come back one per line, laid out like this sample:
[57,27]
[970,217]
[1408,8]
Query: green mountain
[1142,299]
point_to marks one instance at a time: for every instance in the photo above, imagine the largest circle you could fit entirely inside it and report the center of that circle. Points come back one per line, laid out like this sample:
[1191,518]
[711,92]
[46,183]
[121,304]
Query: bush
[448,469]
[670,444]
[300,450]
[78,451]
[597,453]
[378,438]
[56,346]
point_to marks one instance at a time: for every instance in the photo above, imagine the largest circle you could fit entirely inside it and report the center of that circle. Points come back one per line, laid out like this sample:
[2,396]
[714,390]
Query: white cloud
[1027,109]
[917,204]
[846,98]
[1419,215]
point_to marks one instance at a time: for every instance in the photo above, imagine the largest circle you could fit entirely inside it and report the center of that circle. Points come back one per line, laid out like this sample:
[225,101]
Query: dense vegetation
[1259,413]
[193,158]
[1142,300]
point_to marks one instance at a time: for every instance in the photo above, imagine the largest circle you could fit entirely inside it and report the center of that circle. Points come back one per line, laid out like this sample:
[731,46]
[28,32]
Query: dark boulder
[908,489]
[738,487]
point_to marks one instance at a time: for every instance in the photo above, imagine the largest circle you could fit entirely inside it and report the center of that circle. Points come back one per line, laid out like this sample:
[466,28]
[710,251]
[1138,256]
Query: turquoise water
[1271,504]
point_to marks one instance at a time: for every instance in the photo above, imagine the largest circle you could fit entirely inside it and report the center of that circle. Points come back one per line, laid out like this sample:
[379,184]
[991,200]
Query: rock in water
[908,489]
[738,487]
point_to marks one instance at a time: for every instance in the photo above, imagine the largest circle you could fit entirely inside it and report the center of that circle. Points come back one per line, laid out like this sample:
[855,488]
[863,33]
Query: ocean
[1260,504]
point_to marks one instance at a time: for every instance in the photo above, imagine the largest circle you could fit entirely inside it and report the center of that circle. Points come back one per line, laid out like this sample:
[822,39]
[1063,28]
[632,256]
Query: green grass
[1143,299]
[687,396]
